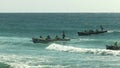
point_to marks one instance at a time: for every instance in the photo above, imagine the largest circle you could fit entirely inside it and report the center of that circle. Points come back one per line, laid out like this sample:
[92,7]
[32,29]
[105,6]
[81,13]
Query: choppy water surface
[18,51]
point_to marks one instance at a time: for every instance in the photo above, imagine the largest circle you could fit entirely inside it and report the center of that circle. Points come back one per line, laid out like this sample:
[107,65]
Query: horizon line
[59,12]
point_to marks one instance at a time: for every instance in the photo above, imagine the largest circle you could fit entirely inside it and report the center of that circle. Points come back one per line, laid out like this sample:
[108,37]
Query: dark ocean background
[18,51]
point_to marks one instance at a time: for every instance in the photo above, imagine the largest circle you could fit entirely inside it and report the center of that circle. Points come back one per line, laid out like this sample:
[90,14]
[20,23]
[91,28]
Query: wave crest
[59,47]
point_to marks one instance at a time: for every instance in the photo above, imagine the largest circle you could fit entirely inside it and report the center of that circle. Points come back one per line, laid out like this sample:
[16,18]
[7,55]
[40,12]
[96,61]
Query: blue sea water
[18,51]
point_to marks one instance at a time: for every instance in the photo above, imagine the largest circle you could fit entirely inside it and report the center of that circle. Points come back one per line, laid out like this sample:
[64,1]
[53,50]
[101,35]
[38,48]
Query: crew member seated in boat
[48,38]
[56,37]
[97,30]
[41,37]
[85,31]
[63,35]
[32,38]
[91,31]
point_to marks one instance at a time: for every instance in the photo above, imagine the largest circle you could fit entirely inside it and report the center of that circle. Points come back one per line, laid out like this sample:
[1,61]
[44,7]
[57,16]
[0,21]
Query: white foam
[111,31]
[85,39]
[17,61]
[19,65]
[59,47]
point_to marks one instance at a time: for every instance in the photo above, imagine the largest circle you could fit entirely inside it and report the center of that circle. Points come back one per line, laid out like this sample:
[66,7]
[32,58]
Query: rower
[63,35]
[48,38]
[97,30]
[56,37]
[41,37]
[85,31]
[32,38]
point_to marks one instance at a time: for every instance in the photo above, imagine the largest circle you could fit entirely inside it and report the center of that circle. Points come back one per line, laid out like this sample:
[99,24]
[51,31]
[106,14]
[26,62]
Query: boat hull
[36,40]
[90,33]
[112,47]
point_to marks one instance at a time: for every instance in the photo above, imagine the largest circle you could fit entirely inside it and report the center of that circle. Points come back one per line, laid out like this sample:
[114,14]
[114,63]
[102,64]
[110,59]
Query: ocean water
[18,51]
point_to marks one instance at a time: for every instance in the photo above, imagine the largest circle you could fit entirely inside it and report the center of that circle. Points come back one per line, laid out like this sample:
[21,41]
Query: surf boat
[111,47]
[36,40]
[91,32]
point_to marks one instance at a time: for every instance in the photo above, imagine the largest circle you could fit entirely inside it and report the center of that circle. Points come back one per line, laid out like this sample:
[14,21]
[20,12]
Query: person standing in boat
[115,44]
[101,27]
[63,35]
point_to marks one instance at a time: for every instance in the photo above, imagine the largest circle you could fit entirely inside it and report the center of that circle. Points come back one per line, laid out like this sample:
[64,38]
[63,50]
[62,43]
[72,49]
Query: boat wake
[59,47]
[112,31]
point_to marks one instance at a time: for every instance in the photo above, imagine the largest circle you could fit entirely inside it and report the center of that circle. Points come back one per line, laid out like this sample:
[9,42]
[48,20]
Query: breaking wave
[59,47]
[26,61]
[16,61]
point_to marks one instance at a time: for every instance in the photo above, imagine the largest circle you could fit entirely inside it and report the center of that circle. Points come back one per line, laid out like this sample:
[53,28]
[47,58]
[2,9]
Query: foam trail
[111,31]
[59,47]
[84,39]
